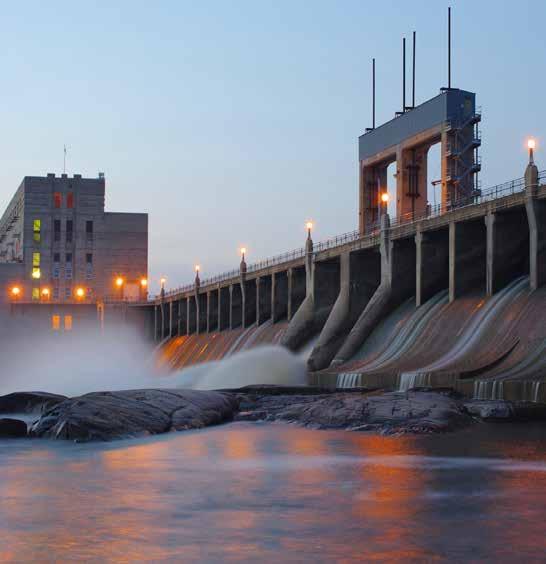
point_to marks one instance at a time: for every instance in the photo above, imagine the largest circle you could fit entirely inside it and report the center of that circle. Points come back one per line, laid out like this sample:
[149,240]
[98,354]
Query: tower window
[57,199]
[56,230]
[69,230]
[35,259]
[68,323]
[70,200]
[55,322]
[37,228]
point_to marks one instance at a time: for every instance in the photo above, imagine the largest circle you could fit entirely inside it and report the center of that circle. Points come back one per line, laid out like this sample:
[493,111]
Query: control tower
[449,119]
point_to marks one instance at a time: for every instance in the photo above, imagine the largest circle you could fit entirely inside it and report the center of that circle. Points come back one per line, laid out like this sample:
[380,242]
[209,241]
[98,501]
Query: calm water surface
[248,492]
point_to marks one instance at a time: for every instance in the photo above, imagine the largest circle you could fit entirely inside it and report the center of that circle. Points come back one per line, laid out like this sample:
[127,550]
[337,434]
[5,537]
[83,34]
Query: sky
[232,123]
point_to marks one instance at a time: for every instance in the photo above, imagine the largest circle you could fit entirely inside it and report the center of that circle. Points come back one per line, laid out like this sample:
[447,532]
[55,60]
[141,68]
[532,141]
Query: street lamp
[309,226]
[197,268]
[80,293]
[243,252]
[119,281]
[144,283]
[385,198]
[531,145]
[15,292]
[45,294]
[162,282]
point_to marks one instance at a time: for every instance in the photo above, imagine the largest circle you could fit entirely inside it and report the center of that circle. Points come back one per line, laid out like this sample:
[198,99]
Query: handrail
[499,191]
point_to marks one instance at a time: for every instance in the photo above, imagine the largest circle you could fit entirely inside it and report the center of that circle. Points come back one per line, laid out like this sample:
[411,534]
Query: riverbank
[106,416]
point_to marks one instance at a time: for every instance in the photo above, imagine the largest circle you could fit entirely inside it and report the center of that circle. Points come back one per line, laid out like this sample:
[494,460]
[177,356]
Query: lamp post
[531,145]
[119,285]
[384,202]
[162,283]
[197,270]
[309,227]
[243,263]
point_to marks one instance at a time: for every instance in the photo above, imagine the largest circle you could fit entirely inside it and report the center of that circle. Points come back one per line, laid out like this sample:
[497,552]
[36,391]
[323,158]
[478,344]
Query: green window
[35,259]
[35,293]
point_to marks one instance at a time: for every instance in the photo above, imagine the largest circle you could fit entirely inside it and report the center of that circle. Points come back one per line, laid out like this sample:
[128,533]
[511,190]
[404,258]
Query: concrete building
[59,246]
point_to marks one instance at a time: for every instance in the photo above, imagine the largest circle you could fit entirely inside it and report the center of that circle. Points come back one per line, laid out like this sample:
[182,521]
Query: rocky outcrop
[391,412]
[29,402]
[12,428]
[104,416]
[504,410]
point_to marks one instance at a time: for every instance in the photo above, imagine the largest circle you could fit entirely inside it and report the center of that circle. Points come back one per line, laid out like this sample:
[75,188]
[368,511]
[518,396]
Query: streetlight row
[242,251]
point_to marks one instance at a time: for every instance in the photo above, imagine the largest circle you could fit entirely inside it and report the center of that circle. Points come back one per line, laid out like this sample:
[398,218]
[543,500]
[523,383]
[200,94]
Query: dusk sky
[233,123]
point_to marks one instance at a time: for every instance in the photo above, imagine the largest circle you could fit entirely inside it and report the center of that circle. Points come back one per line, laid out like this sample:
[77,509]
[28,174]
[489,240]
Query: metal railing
[499,191]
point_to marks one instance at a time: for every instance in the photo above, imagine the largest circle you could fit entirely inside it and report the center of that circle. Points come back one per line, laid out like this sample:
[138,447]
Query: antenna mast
[64,160]
[449,47]
[413,86]
[403,74]
[373,93]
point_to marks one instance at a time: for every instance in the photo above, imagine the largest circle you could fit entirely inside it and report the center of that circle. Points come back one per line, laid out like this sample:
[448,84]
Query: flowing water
[262,493]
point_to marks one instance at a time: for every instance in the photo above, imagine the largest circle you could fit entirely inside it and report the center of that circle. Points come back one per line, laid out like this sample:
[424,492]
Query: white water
[348,380]
[409,380]
[261,365]
[75,364]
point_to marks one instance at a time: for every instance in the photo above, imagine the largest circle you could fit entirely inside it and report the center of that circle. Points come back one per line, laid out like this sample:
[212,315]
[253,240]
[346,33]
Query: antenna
[403,74]
[373,93]
[64,161]
[449,47]
[413,86]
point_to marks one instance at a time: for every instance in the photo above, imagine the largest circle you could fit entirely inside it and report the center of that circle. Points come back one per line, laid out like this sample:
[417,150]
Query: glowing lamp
[119,281]
[385,198]
[197,268]
[144,282]
[243,251]
[80,293]
[309,225]
[531,144]
[162,281]
[45,292]
[16,291]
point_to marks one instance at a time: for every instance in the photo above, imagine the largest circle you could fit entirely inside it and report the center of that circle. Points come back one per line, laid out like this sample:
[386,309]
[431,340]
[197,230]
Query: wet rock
[29,402]
[391,412]
[104,416]
[12,428]
[491,410]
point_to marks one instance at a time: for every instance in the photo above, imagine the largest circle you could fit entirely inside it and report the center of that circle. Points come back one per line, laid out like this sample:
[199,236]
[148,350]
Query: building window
[57,199]
[56,265]
[57,230]
[55,322]
[37,228]
[68,292]
[68,266]
[35,259]
[35,293]
[70,200]
[56,293]
[68,323]
[69,230]
[36,273]
[89,266]
[89,231]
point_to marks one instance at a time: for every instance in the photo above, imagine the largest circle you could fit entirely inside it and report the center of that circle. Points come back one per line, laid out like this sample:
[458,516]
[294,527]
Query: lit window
[35,259]
[37,227]
[70,200]
[35,293]
[57,199]
[68,323]
[36,273]
[56,322]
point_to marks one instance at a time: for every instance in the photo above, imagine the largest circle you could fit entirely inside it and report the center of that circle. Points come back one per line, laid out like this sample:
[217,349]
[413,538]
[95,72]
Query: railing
[481,196]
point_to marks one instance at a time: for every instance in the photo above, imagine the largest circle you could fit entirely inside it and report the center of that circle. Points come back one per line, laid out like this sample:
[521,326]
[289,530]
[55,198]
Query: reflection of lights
[385,198]
[144,282]
[531,143]
[119,281]
[80,293]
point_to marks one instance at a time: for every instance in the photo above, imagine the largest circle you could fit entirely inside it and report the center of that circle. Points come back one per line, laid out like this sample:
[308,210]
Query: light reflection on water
[248,492]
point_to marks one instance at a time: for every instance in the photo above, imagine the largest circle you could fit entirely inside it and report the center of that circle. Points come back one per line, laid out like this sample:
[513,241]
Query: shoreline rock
[12,428]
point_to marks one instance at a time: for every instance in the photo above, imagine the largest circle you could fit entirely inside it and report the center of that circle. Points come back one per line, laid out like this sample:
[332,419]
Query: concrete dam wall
[451,298]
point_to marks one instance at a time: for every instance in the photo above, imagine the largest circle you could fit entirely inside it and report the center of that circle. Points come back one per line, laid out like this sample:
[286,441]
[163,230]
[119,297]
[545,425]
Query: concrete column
[536,217]
[279,296]
[171,319]
[156,325]
[208,312]
[259,313]
[411,181]
[231,306]
[289,275]
[492,254]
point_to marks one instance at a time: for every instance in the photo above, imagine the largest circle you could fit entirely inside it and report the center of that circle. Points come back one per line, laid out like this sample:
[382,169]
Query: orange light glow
[309,225]
[15,291]
[531,143]
[144,282]
[163,281]
[197,268]
[119,281]
[45,292]
[385,198]
[243,250]
[80,293]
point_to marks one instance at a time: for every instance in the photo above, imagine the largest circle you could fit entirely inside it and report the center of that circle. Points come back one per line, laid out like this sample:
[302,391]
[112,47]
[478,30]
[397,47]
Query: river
[270,492]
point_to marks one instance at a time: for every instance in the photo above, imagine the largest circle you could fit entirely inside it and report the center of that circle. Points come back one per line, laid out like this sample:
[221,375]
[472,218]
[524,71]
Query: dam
[446,295]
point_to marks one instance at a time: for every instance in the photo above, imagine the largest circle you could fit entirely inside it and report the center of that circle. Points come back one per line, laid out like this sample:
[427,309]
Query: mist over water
[72,364]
